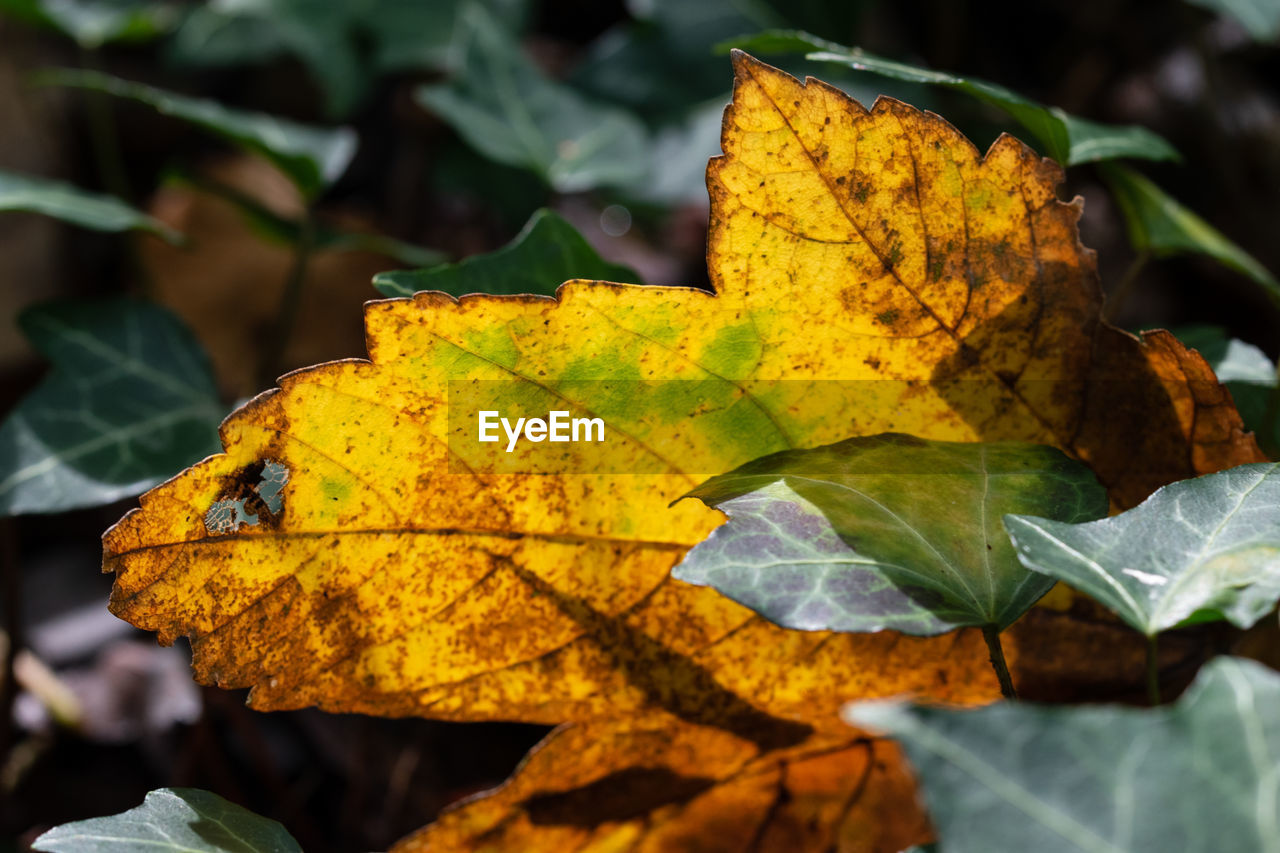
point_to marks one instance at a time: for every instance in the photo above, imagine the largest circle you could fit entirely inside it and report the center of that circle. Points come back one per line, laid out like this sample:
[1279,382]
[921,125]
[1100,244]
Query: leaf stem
[290,301]
[1153,671]
[104,144]
[104,141]
[991,634]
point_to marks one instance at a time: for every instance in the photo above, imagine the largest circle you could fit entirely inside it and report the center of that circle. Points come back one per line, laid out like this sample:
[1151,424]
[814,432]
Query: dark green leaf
[413,34]
[1196,777]
[93,23]
[886,531]
[1159,224]
[254,31]
[1067,139]
[344,46]
[216,35]
[183,820]
[660,65]
[1210,545]
[678,155]
[313,157]
[130,400]
[77,206]
[510,193]
[1260,18]
[508,110]
[546,253]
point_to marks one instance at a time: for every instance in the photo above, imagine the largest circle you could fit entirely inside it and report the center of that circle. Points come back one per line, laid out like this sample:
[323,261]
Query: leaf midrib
[124,360]
[1010,792]
[891,270]
[124,434]
[1190,569]
[943,561]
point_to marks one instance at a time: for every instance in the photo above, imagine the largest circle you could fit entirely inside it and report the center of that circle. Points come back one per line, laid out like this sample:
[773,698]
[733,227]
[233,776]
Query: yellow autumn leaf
[356,548]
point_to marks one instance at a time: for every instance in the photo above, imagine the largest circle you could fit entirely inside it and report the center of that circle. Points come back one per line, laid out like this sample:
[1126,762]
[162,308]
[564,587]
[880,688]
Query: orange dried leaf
[680,788]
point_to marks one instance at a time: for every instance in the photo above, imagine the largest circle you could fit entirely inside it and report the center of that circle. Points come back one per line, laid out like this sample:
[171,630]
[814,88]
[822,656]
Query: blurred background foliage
[195,198]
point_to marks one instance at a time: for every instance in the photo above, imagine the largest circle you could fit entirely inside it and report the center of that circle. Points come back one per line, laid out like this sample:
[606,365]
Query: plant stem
[290,301]
[104,143]
[103,139]
[1117,298]
[1153,671]
[991,634]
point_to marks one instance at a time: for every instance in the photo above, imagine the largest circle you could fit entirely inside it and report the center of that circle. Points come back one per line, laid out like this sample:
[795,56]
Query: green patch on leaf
[182,820]
[130,400]
[886,531]
[1196,776]
[547,252]
[1207,547]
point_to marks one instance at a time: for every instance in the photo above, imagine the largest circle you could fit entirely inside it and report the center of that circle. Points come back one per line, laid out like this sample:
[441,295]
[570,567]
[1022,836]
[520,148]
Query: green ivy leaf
[886,531]
[94,23]
[313,157]
[508,110]
[1260,18]
[77,206]
[130,400]
[658,64]
[183,820]
[1199,775]
[1159,224]
[546,252]
[678,155]
[1208,547]
[249,32]
[1066,138]
[344,46]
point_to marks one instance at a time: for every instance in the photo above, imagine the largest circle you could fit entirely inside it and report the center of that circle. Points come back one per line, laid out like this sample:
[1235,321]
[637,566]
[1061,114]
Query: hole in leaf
[252,496]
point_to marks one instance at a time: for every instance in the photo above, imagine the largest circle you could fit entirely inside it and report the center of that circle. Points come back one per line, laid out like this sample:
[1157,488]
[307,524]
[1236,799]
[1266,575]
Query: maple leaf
[351,549]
